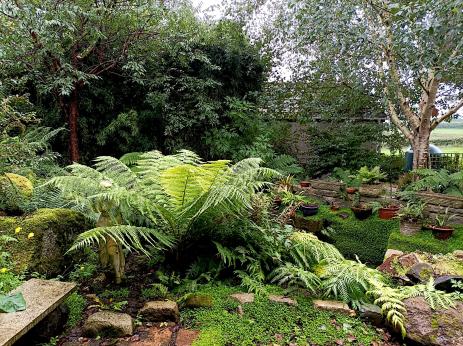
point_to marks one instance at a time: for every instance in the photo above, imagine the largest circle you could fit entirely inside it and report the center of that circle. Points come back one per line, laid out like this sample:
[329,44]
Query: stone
[433,327]
[186,337]
[392,252]
[108,324]
[408,261]
[282,300]
[54,231]
[371,313]
[420,272]
[43,298]
[243,298]
[445,282]
[308,224]
[388,266]
[159,336]
[160,311]
[334,305]
[199,301]
[458,254]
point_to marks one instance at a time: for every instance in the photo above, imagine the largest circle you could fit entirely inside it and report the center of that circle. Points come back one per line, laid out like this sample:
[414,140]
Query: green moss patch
[424,241]
[43,239]
[265,323]
[367,239]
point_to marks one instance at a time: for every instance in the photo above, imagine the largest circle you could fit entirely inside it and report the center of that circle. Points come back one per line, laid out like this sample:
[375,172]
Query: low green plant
[346,177]
[412,211]
[119,294]
[442,219]
[440,181]
[370,176]
[83,272]
[76,305]
[156,290]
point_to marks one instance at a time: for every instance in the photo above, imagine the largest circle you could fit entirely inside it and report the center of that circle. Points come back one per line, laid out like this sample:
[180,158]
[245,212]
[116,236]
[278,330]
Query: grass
[424,241]
[267,323]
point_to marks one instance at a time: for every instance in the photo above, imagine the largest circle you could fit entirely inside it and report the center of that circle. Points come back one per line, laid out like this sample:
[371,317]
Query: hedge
[367,239]
[424,241]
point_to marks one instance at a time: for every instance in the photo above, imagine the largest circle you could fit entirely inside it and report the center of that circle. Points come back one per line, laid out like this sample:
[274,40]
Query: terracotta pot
[351,190]
[335,207]
[410,227]
[441,233]
[362,213]
[309,209]
[304,183]
[388,213]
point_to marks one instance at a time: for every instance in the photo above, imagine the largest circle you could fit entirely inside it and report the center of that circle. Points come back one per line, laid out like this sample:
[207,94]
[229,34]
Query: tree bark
[420,148]
[73,116]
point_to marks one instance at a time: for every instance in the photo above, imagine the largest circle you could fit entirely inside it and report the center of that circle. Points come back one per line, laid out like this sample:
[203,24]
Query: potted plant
[370,176]
[309,209]
[411,217]
[440,226]
[361,211]
[386,209]
[334,206]
[351,181]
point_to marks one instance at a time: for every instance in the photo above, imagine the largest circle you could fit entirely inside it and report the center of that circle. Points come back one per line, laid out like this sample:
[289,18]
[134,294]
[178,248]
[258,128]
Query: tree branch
[447,115]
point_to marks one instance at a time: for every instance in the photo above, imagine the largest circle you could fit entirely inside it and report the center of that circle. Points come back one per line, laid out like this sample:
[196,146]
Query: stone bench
[42,297]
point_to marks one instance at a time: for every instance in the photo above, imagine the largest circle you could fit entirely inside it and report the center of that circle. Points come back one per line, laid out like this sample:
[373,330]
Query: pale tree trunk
[110,252]
[420,148]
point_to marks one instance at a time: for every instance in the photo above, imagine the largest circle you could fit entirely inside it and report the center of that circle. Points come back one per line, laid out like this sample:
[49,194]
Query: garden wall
[332,191]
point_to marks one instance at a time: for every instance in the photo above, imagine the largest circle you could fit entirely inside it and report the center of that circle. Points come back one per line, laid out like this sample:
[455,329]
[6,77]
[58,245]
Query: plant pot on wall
[304,183]
[389,212]
[309,209]
[410,227]
[351,190]
[362,212]
[441,232]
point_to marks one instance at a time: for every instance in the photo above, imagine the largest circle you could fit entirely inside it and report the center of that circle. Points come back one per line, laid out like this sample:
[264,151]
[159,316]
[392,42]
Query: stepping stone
[243,298]
[282,299]
[42,297]
[186,337]
[159,336]
[108,323]
[160,311]
[333,305]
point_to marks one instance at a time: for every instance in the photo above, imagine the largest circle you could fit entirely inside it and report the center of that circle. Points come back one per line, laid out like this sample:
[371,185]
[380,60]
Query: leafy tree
[405,53]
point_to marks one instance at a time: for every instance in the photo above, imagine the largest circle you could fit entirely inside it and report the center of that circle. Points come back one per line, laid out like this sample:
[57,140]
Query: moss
[366,239]
[199,301]
[15,192]
[53,231]
[424,241]
[266,323]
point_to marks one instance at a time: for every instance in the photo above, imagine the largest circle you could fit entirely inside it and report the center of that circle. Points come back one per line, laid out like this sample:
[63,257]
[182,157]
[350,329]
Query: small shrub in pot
[411,218]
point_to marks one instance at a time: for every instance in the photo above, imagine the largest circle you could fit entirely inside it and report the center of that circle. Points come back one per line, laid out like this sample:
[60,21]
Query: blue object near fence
[433,151]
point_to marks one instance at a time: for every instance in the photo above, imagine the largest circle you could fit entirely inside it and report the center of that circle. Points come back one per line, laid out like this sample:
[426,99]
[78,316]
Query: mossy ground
[424,241]
[265,322]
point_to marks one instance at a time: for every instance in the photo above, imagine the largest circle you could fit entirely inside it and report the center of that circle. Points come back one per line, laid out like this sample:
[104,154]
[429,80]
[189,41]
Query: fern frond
[291,275]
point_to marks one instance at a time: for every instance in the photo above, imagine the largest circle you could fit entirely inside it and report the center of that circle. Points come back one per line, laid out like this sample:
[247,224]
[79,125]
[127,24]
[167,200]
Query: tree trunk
[420,148]
[73,116]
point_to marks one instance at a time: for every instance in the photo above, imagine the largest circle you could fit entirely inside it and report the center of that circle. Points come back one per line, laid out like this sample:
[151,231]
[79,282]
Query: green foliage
[9,281]
[294,276]
[370,176]
[412,211]
[119,294]
[76,305]
[24,147]
[440,181]
[157,290]
[265,322]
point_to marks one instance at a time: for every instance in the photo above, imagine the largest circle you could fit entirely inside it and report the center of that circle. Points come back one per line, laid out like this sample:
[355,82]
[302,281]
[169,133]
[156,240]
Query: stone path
[42,297]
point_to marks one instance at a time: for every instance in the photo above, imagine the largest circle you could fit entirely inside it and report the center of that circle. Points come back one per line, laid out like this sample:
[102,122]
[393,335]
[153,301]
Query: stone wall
[332,191]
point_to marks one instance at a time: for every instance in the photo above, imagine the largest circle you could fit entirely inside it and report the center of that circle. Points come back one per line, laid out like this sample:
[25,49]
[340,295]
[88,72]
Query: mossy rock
[15,192]
[53,231]
[199,301]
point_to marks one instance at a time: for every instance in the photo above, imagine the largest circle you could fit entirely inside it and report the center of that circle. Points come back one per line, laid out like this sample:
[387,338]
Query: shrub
[76,305]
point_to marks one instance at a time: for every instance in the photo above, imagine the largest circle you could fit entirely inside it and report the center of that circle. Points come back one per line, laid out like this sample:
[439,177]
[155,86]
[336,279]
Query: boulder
[108,324]
[371,313]
[389,265]
[392,252]
[420,272]
[282,300]
[199,301]
[458,254]
[15,193]
[43,239]
[445,282]
[433,327]
[243,298]
[160,311]
[334,305]
[408,260]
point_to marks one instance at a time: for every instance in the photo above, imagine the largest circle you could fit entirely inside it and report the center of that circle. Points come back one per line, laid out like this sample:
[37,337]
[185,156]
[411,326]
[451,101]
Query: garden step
[334,305]
[160,311]
[243,298]
[282,300]
[42,297]
[108,323]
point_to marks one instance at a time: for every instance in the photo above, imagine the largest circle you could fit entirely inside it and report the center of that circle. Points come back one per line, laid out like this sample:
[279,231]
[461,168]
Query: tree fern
[294,276]
[308,250]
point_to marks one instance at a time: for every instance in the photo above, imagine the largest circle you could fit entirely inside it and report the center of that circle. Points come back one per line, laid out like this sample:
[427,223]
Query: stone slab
[333,305]
[42,297]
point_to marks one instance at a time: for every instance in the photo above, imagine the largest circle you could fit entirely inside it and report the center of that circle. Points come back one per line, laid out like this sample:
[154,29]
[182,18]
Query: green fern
[294,276]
